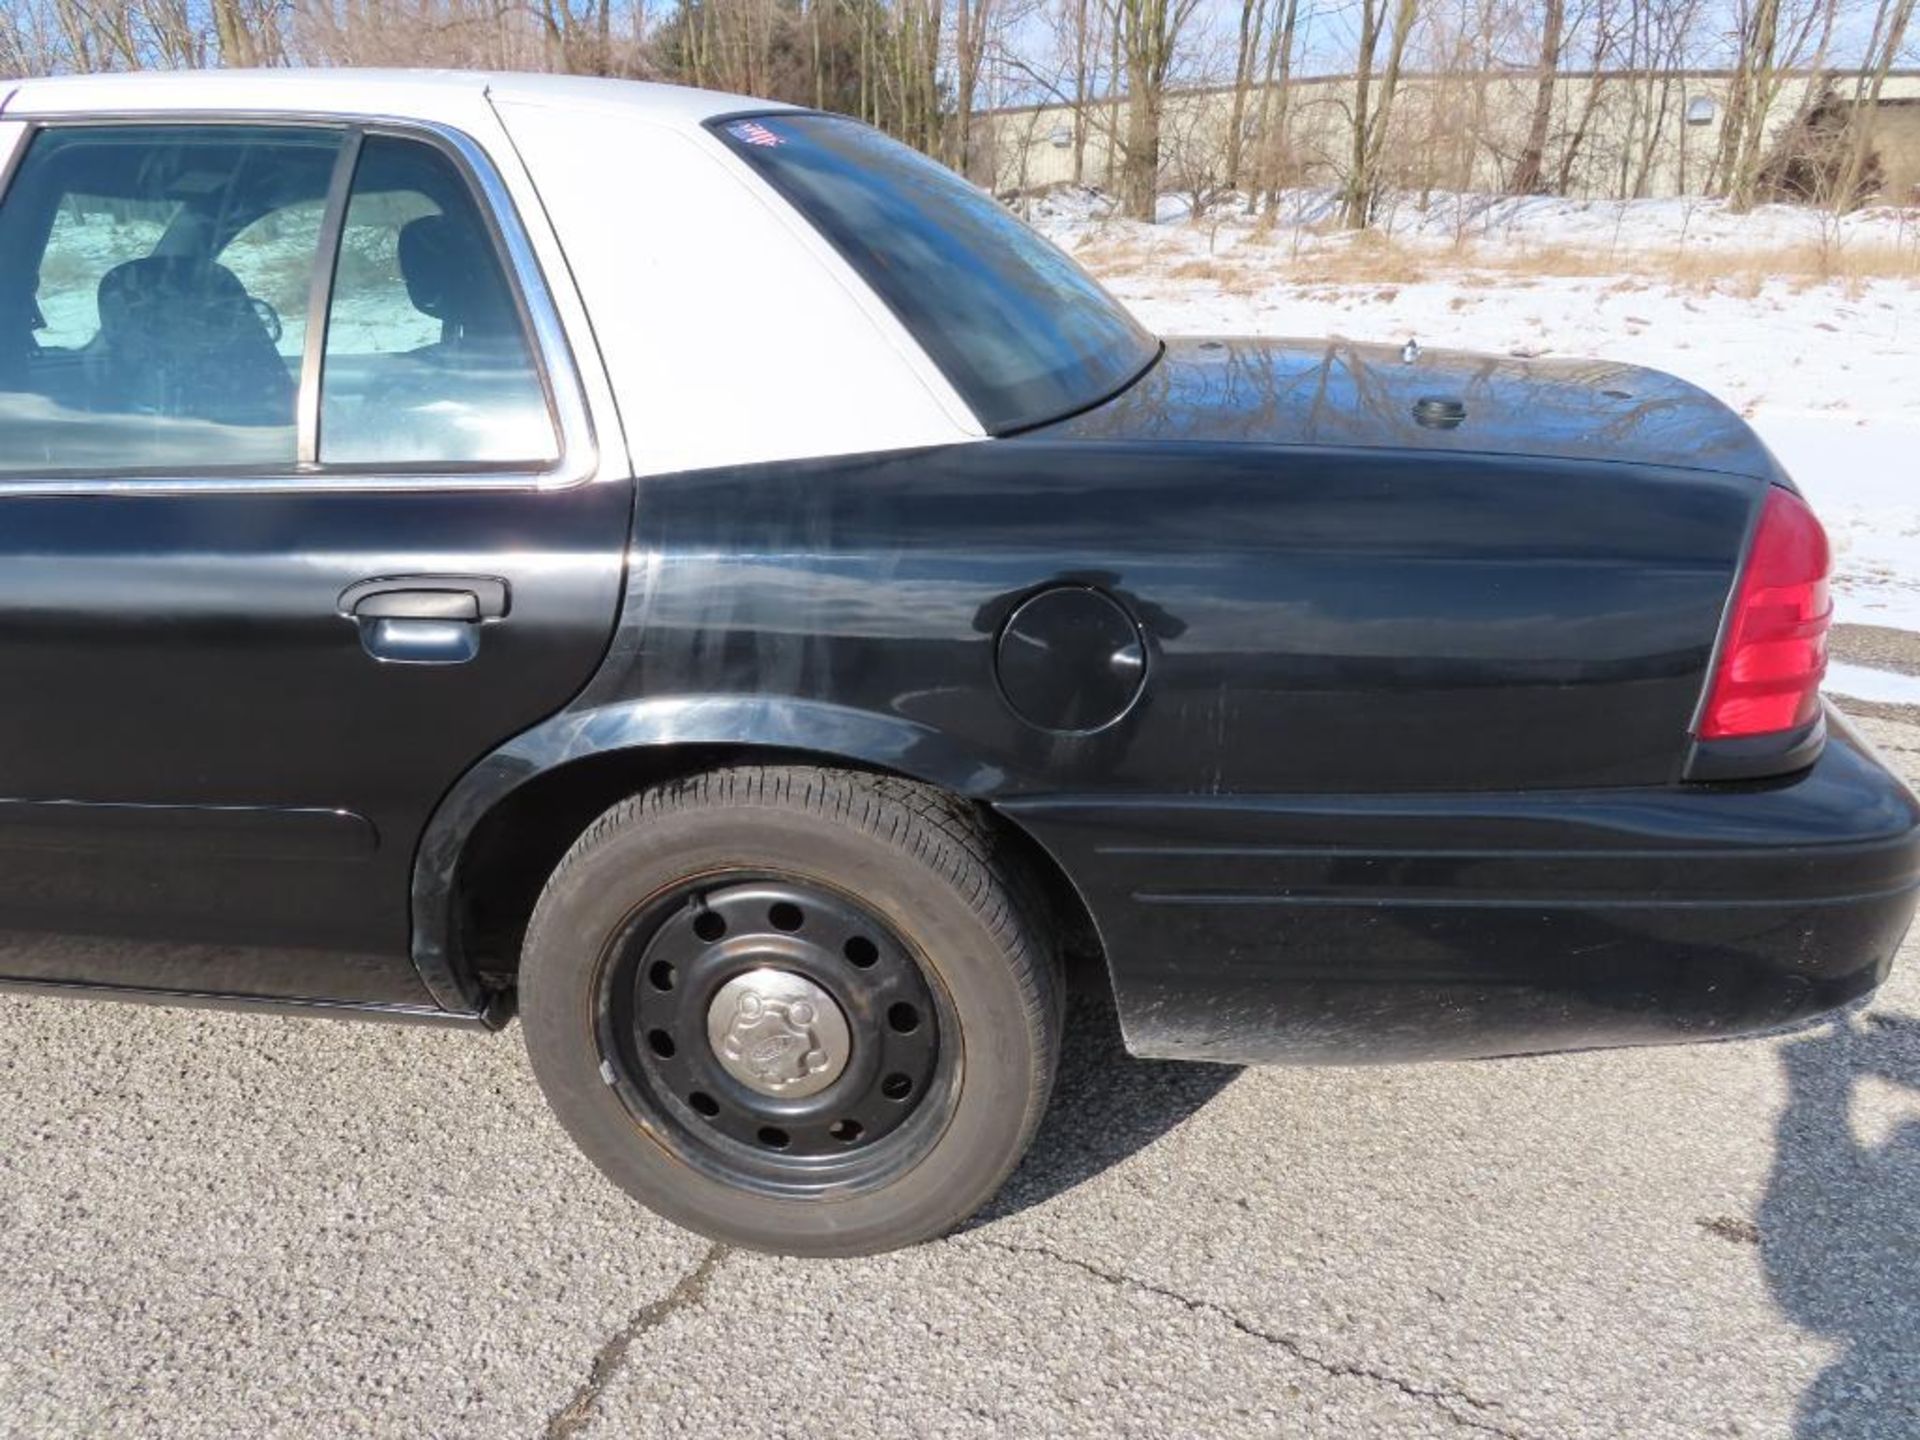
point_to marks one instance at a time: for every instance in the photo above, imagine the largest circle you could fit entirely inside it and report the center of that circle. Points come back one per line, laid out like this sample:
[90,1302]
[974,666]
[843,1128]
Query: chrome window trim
[326,264]
[554,357]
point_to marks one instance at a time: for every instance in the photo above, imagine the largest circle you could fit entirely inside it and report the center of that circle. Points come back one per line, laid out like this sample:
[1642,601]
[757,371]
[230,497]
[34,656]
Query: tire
[657,1001]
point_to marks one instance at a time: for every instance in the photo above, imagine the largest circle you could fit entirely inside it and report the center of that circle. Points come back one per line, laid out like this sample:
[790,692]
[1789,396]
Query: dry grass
[1274,255]
[1106,254]
[1702,266]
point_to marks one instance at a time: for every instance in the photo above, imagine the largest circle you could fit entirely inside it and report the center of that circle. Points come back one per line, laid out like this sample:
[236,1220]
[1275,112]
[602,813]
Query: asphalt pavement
[220,1225]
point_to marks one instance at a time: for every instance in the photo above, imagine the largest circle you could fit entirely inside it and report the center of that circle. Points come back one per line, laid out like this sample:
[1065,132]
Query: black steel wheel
[778,1035]
[796,1009]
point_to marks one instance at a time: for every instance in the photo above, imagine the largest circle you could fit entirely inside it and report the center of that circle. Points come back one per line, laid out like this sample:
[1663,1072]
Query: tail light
[1774,652]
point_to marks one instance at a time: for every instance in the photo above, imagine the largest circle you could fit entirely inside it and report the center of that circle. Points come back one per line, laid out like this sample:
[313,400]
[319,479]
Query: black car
[703,576]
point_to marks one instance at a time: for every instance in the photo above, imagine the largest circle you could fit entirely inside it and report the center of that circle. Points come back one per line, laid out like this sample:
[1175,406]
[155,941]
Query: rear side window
[427,362]
[127,338]
[157,290]
[1023,333]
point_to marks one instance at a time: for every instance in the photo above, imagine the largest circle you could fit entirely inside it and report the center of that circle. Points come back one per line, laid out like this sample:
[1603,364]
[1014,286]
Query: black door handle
[424,619]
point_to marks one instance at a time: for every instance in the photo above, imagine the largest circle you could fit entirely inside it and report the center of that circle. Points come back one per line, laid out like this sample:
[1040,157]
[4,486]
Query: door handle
[424,619]
[426,597]
[419,605]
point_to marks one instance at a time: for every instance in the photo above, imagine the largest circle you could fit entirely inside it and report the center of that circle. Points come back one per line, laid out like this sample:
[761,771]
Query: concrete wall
[1452,132]
[1896,132]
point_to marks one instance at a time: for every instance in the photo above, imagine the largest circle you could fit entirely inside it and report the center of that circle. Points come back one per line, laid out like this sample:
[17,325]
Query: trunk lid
[1447,571]
[1336,393]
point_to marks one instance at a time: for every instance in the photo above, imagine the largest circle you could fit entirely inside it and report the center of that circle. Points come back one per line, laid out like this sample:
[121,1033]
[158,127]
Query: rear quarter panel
[1329,624]
[1316,620]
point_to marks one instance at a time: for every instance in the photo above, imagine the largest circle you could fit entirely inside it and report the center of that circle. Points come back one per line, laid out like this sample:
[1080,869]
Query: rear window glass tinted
[1021,331]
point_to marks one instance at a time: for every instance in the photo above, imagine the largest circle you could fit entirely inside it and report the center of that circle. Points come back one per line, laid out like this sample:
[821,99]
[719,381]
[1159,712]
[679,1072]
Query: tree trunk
[1890,33]
[1755,82]
[1527,178]
[1355,199]
[1081,45]
[1140,153]
[1253,17]
[1150,28]
[237,48]
[1273,101]
[1371,127]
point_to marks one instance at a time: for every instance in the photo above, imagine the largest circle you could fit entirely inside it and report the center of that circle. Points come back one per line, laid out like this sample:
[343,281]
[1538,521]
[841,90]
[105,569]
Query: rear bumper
[1314,928]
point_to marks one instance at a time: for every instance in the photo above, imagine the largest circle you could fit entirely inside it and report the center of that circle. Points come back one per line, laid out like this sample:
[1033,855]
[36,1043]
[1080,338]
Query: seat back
[452,276]
[180,336]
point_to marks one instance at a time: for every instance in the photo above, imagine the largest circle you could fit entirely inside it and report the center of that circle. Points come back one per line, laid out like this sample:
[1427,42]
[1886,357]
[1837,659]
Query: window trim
[326,275]
[552,352]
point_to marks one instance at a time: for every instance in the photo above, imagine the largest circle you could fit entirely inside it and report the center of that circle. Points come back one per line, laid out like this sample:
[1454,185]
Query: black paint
[1403,776]
[251,783]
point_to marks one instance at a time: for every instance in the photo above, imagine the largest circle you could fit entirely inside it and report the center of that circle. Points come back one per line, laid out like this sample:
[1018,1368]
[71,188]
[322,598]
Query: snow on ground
[1519,222]
[1828,371]
[1864,682]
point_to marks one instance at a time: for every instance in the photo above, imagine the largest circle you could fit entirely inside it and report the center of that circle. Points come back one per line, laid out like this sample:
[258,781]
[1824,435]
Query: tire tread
[940,833]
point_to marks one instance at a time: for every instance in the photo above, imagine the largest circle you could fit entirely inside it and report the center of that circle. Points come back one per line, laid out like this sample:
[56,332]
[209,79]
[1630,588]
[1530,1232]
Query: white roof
[414,94]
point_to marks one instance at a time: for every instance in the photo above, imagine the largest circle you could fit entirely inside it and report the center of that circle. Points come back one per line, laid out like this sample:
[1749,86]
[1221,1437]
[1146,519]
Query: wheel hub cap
[778,1033]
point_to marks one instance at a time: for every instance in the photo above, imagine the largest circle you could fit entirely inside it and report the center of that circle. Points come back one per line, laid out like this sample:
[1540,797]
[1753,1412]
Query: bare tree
[1891,22]
[1082,29]
[1195,159]
[1529,95]
[1148,35]
[1553,29]
[1270,129]
[1370,115]
[1660,38]
[972,24]
[1773,38]
[1246,60]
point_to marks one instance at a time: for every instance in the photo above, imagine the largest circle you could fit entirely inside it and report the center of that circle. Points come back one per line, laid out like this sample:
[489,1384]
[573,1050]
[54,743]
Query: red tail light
[1775,648]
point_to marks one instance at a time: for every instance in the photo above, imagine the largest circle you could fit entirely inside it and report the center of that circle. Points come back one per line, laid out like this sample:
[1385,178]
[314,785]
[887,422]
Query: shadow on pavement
[1840,1228]
[1106,1106]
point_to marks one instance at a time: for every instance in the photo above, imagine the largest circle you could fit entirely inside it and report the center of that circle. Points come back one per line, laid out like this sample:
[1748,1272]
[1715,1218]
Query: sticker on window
[752,132]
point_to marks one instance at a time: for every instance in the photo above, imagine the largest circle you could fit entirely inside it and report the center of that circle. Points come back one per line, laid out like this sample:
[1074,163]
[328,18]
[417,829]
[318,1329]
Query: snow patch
[1862,682]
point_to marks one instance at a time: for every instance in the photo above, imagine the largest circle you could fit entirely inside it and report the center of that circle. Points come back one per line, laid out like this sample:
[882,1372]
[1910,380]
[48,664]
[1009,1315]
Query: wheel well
[515,847]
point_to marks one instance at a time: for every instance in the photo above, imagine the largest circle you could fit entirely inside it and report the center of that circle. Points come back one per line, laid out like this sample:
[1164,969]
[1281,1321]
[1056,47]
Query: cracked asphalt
[218,1225]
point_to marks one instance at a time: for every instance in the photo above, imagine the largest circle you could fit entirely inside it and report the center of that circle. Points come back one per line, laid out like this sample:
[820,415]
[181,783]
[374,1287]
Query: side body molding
[835,733]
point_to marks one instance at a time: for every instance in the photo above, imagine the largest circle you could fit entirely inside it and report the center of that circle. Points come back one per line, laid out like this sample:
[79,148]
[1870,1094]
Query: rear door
[300,514]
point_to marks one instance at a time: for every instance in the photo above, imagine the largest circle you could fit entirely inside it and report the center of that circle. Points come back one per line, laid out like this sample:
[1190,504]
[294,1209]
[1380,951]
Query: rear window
[1022,332]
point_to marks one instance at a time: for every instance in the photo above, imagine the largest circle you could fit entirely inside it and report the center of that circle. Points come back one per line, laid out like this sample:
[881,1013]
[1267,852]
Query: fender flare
[830,732]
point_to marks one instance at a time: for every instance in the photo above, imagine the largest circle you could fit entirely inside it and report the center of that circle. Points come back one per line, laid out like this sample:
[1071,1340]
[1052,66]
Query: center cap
[778,1033]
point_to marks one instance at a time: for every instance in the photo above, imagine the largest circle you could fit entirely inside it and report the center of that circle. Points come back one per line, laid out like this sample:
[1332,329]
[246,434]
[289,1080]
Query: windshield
[1022,332]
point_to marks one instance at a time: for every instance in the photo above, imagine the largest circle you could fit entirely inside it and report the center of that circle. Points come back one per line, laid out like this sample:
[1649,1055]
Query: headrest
[437,262]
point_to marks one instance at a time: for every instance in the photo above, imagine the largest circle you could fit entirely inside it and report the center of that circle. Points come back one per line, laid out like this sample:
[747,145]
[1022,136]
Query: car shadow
[1840,1227]
[1106,1106]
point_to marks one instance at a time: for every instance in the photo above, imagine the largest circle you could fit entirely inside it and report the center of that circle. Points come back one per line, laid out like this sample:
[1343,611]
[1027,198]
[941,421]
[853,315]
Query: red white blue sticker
[752,132]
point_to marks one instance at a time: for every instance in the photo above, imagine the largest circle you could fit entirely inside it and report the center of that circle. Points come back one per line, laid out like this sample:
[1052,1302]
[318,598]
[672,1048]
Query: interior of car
[154,297]
[175,333]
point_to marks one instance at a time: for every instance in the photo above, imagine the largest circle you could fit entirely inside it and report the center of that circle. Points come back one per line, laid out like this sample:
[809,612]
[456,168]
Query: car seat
[451,275]
[179,336]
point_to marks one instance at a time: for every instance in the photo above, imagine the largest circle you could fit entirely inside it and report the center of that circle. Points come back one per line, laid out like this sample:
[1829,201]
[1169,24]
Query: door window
[145,296]
[427,361]
[268,258]
[155,289]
